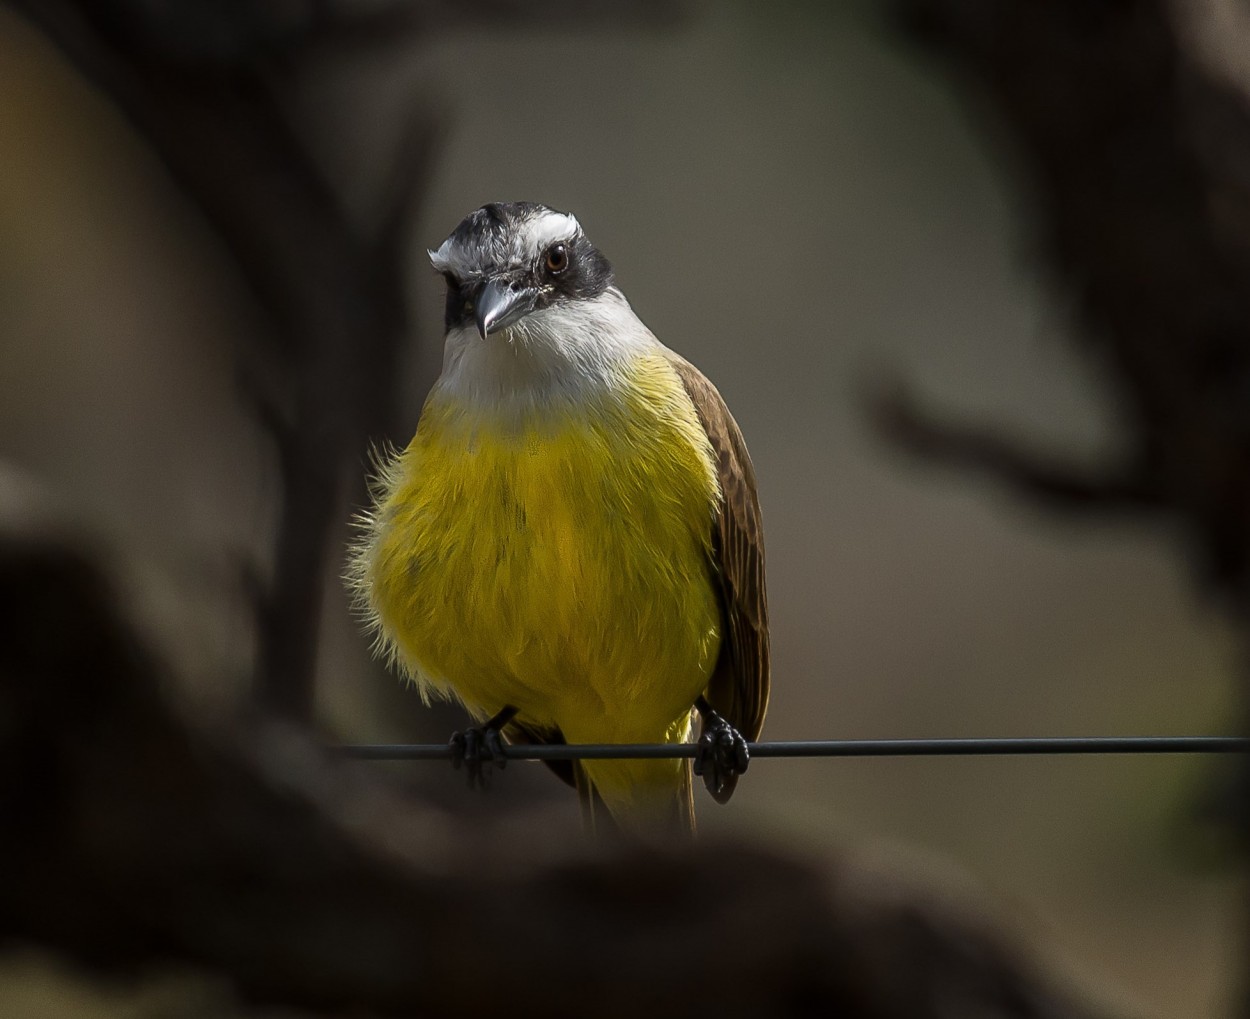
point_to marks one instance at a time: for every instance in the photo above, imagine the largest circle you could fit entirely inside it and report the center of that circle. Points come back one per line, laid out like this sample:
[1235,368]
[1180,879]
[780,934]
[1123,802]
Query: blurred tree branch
[1140,163]
[898,417]
[1138,151]
[332,300]
[137,839]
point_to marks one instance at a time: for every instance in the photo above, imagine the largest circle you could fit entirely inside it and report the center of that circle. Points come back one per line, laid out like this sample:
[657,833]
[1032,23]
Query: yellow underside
[558,564]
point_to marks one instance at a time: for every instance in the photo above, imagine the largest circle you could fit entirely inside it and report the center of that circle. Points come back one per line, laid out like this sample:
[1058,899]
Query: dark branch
[1139,163]
[146,841]
[1060,485]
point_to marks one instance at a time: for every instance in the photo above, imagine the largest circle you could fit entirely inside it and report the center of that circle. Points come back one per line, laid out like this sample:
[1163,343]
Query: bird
[571,544]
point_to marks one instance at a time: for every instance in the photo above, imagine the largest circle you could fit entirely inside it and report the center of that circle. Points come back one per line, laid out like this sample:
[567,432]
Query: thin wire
[976,747]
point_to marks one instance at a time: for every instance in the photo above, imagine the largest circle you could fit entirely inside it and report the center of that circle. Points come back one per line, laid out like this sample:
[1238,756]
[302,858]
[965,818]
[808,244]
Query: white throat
[569,353]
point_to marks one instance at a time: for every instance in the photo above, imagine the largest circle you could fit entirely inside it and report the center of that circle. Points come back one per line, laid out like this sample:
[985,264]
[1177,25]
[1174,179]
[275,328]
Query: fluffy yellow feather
[557,560]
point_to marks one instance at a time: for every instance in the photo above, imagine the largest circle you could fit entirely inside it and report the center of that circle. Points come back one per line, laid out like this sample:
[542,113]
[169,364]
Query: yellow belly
[559,564]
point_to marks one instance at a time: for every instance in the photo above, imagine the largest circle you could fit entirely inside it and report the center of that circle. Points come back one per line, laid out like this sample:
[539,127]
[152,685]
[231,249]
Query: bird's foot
[479,745]
[721,754]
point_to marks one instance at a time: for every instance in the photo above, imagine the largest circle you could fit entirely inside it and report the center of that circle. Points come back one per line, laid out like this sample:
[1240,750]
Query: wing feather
[739,686]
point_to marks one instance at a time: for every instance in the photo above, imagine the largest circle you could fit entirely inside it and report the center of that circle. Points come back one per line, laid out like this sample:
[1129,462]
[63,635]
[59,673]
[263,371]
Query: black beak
[500,303]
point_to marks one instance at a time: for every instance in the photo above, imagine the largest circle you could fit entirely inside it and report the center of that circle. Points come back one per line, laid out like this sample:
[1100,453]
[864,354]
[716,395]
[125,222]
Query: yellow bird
[571,543]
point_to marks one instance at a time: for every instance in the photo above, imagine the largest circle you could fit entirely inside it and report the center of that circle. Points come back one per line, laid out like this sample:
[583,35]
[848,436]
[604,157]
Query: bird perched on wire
[571,543]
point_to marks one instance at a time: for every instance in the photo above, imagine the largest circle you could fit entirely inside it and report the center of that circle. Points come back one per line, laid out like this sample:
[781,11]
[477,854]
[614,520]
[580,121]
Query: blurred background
[809,208]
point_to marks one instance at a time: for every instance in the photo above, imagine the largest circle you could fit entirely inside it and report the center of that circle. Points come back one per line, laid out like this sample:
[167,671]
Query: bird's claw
[721,755]
[476,747]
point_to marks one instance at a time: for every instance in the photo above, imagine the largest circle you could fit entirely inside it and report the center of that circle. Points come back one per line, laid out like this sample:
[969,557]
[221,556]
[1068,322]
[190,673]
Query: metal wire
[975,747]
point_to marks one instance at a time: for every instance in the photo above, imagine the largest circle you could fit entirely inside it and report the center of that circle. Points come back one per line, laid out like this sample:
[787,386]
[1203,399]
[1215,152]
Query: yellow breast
[558,562]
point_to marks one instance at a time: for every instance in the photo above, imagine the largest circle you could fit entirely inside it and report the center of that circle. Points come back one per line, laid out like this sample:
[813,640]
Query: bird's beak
[500,303]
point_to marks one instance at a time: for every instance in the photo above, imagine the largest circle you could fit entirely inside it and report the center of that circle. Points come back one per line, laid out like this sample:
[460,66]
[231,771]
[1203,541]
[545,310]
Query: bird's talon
[493,744]
[742,756]
[477,746]
[458,746]
[721,755]
[472,748]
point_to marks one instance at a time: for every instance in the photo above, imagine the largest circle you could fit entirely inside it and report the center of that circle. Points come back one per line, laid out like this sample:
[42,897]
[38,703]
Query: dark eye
[557,258]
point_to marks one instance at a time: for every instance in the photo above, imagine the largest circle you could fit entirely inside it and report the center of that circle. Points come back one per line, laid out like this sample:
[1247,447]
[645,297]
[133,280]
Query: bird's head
[508,260]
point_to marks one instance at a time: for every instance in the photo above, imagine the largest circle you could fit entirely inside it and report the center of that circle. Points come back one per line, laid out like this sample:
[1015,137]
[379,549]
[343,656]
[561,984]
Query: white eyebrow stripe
[538,234]
[525,244]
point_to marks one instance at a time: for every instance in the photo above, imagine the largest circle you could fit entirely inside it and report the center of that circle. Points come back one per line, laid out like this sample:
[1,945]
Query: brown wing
[738,689]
